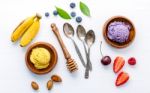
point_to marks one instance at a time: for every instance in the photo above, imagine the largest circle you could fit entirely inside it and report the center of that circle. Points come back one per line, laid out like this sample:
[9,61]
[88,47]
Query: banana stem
[38,16]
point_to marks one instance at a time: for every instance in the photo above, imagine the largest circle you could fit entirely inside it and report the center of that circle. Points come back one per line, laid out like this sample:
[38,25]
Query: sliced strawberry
[122,78]
[118,64]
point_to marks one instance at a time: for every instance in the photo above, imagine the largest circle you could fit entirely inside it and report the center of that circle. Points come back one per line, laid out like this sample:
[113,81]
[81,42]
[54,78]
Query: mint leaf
[62,13]
[84,9]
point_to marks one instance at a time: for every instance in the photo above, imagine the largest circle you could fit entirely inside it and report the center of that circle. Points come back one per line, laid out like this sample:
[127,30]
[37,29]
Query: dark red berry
[106,60]
[132,61]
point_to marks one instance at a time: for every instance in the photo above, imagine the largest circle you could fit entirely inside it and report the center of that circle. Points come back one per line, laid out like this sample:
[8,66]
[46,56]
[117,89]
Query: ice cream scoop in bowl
[41,58]
[119,31]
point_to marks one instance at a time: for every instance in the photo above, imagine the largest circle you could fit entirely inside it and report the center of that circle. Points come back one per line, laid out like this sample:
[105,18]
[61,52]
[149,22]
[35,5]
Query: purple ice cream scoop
[118,31]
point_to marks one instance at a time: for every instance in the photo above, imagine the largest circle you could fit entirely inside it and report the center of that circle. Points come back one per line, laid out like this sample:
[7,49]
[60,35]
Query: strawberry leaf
[62,13]
[84,9]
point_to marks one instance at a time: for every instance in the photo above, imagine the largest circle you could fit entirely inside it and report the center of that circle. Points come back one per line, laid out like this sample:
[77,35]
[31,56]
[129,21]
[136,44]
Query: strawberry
[122,78]
[118,64]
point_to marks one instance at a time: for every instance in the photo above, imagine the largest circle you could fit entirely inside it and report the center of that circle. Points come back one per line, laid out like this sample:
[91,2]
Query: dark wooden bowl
[131,35]
[53,60]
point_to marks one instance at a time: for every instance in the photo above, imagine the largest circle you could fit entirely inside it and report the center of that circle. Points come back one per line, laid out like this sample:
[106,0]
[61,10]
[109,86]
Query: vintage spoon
[89,39]
[81,33]
[69,32]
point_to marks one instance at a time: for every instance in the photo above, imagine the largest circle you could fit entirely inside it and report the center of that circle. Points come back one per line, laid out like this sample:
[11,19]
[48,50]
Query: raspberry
[132,61]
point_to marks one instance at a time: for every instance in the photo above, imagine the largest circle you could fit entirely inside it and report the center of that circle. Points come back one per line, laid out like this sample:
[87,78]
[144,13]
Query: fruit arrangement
[118,32]
[118,64]
[65,15]
[26,30]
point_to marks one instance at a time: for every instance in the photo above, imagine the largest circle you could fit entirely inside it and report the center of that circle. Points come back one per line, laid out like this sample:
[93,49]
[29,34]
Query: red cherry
[106,60]
[132,61]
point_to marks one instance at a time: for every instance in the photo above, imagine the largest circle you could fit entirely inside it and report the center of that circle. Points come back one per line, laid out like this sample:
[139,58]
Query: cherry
[132,61]
[106,60]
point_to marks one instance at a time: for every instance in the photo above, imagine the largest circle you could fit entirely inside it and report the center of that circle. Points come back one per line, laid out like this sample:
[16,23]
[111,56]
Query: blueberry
[47,14]
[78,19]
[72,5]
[73,14]
[55,13]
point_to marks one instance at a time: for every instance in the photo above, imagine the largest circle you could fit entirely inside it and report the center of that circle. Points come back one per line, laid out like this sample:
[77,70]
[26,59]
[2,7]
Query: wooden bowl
[53,60]
[131,35]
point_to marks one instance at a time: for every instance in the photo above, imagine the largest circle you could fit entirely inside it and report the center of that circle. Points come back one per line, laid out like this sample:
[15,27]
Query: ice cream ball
[118,31]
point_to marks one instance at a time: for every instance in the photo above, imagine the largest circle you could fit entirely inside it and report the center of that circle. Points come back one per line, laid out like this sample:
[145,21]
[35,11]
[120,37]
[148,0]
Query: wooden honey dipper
[71,64]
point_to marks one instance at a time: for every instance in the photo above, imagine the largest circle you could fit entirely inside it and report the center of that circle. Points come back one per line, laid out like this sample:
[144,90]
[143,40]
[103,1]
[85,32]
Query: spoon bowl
[90,38]
[68,30]
[81,33]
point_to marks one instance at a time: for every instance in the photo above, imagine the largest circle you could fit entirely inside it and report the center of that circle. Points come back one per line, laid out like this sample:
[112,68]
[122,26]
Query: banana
[21,28]
[31,32]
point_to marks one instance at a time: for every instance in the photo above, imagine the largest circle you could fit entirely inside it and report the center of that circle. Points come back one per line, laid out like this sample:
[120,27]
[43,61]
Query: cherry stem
[101,49]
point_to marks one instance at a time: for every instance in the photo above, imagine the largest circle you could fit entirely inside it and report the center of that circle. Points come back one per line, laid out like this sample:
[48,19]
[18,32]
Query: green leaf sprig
[62,13]
[84,9]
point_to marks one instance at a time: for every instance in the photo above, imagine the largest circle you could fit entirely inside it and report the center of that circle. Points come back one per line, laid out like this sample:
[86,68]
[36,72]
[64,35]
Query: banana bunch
[27,29]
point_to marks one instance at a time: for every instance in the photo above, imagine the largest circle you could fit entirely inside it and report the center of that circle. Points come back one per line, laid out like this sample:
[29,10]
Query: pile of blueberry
[72,14]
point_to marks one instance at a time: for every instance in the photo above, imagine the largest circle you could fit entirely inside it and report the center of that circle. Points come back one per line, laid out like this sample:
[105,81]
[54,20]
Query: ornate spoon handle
[79,53]
[87,65]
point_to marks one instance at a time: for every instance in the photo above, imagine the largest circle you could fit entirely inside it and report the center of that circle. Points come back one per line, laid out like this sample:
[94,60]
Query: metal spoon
[89,39]
[81,33]
[69,32]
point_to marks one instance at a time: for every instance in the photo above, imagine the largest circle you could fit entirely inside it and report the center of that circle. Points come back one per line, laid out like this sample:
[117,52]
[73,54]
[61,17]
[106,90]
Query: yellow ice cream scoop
[38,66]
[40,57]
